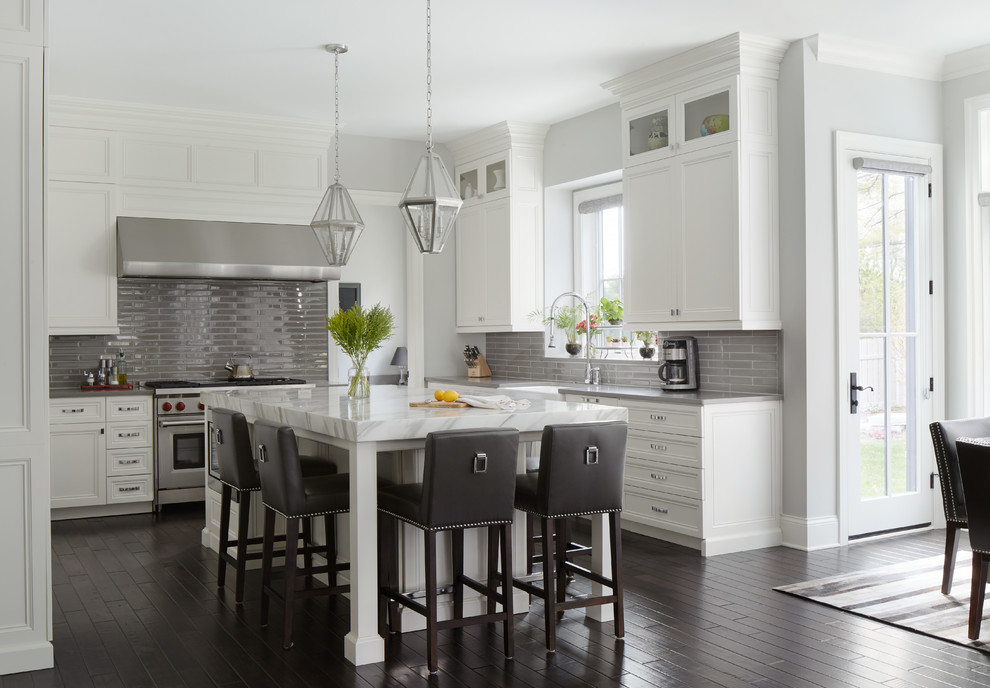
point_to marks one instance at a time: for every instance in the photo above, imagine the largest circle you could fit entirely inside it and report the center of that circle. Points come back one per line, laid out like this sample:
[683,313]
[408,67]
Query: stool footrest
[482,588]
[589,574]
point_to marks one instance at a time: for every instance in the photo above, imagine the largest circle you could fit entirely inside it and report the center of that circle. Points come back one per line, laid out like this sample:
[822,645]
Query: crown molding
[850,52]
[967,62]
[497,138]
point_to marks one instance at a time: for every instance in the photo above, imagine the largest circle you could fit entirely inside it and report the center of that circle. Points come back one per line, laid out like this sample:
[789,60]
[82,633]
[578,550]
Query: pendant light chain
[429,83]
[336,117]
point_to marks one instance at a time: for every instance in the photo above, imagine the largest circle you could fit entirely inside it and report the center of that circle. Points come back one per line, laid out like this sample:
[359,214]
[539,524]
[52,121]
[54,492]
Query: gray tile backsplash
[189,328]
[747,361]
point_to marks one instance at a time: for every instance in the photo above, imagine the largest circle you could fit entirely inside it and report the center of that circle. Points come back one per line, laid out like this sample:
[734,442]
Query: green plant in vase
[648,339]
[611,310]
[358,332]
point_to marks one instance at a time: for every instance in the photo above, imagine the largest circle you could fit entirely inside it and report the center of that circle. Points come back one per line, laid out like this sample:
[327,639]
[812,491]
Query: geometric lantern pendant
[337,224]
[430,204]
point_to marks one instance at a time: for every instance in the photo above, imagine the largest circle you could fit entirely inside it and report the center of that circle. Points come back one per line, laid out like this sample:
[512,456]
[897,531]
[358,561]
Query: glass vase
[359,386]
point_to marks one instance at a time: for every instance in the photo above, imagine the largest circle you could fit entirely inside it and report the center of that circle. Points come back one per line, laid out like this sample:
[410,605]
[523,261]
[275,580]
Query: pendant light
[337,223]
[431,201]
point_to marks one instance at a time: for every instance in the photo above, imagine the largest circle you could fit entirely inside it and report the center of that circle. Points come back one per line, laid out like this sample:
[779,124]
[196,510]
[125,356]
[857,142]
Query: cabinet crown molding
[497,138]
[850,52]
[118,116]
[966,63]
[736,53]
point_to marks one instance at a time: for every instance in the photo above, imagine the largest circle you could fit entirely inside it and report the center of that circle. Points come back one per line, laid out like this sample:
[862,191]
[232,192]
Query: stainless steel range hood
[154,247]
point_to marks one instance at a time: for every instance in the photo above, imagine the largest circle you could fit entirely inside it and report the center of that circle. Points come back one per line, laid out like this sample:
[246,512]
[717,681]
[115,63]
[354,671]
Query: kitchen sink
[537,391]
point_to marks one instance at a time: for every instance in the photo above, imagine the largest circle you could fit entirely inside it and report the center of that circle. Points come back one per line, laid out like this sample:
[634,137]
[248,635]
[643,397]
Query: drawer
[656,475]
[663,510]
[129,489]
[126,435]
[128,409]
[679,449]
[129,461]
[679,419]
[76,410]
[591,399]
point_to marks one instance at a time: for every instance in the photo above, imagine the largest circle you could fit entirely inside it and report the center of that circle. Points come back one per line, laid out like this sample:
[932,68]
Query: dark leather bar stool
[468,482]
[974,466]
[581,471]
[534,538]
[231,441]
[944,436]
[286,492]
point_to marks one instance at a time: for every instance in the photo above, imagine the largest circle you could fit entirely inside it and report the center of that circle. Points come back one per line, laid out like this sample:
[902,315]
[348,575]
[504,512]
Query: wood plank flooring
[136,604]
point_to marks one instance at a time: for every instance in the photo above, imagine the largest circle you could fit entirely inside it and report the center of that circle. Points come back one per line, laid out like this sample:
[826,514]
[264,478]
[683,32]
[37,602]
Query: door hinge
[931,384]
[931,481]
[931,286]
[929,189]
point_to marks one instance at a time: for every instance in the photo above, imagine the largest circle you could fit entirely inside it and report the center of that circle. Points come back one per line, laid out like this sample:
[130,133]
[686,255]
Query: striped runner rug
[907,595]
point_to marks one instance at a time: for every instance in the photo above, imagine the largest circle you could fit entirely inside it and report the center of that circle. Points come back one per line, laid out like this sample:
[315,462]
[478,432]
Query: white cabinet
[700,196]
[499,231]
[82,258]
[102,455]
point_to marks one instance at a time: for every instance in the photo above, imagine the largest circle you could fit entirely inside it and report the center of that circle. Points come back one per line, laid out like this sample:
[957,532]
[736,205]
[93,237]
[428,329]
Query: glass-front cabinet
[697,118]
[482,180]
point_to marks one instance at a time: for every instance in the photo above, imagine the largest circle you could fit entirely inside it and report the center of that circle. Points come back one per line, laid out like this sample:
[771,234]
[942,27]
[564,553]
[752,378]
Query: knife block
[480,368]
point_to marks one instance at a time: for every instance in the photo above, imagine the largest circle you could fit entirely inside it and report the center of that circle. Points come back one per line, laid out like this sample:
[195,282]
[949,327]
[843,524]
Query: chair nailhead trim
[447,527]
[947,482]
[241,489]
[319,513]
[576,513]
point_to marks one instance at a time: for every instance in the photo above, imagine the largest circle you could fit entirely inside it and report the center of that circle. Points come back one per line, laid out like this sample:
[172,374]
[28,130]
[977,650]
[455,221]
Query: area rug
[907,595]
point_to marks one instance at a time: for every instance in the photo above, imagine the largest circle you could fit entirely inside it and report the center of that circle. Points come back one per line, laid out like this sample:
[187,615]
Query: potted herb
[358,332]
[565,319]
[648,339]
[611,310]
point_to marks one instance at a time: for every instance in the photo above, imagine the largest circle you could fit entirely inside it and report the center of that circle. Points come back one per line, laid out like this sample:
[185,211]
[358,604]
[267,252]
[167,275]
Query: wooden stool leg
[977,593]
[307,538]
[951,548]
[330,526]
[225,499]
[560,559]
[549,618]
[432,654]
[530,546]
[493,538]
[619,622]
[243,525]
[291,548]
[507,625]
[457,563]
[267,548]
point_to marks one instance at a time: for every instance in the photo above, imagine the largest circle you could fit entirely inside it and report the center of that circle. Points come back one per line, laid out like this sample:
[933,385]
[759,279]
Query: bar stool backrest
[233,446]
[974,465]
[469,477]
[944,436]
[582,467]
[278,464]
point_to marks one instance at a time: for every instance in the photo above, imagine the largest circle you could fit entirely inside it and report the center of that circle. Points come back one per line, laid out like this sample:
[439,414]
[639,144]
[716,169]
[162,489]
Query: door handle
[854,390]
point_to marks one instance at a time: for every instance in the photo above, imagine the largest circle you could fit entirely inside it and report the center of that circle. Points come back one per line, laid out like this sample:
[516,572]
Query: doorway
[889,235]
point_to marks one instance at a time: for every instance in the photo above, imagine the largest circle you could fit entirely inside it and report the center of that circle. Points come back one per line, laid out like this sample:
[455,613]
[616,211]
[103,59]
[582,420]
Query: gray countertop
[698,397]
[73,393]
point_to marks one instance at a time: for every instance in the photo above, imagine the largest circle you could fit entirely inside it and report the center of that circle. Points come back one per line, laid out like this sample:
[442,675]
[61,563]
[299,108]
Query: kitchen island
[385,422]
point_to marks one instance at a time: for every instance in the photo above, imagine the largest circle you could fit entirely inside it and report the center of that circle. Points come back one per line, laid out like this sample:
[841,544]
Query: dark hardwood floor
[136,604]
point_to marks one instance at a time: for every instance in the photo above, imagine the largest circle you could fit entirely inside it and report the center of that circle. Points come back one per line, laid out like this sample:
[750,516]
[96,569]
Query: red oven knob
[181,406]
[166,406]
[202,406]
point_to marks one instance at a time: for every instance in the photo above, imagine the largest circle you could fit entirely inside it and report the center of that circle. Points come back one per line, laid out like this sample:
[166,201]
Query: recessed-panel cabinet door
[470,280]
[497,261]
[651,243]
[79,465]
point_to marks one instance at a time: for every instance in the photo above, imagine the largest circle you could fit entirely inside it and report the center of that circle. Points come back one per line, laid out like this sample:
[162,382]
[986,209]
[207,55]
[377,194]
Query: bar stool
[581,470]
[468,482]
[232,443]
[974,467]
[533,538]
[285,491]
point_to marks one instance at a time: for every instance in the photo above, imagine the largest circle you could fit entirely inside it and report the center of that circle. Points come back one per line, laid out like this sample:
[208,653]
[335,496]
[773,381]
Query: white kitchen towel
[496,401]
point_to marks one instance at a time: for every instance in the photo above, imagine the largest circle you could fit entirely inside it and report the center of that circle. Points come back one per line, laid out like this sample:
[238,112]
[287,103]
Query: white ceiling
[538,61]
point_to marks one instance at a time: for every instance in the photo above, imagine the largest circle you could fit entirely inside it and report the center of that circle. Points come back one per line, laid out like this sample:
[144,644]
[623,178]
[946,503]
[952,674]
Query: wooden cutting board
[438,404]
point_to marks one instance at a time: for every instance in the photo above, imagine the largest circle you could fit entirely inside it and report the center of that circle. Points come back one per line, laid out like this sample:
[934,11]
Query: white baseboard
[15,659]
[809,534]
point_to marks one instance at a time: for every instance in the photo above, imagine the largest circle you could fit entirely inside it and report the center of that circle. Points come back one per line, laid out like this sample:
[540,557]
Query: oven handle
[173,423]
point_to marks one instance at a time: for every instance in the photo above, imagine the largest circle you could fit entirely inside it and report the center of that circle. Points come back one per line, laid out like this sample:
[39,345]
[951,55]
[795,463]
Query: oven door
[181,453]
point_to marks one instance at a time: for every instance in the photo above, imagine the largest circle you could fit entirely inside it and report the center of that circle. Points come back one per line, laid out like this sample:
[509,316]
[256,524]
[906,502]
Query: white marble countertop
[386,414]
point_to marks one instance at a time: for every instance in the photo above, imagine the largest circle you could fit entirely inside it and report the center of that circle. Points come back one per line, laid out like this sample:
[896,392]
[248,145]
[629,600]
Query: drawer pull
[67,410]
[134,488]
[125,409]
[658,447]
[590,400]
[125,435]
[659,510]
[657,476]
[654,416]
[128,462]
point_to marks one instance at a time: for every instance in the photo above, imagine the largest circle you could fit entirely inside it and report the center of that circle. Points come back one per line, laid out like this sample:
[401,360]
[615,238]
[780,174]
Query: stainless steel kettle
[239,368]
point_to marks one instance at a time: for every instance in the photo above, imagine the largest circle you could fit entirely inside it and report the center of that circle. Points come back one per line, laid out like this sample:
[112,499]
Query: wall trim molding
[850,52]
[809,534]
[967,62]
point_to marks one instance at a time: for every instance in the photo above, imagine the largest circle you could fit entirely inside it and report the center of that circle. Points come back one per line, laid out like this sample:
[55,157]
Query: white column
[601,562]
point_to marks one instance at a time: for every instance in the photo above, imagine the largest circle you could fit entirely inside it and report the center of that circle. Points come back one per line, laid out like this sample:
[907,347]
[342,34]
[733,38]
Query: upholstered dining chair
[974,465]
[944,436]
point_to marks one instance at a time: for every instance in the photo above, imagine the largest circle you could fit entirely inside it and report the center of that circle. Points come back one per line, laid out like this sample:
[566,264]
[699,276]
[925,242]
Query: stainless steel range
[180,433]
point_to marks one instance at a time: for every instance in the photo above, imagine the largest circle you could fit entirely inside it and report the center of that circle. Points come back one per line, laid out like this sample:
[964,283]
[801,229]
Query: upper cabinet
[700,188]
[499,232]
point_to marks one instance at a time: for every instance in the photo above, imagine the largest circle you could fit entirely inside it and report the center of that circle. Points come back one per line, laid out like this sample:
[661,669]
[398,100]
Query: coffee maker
[679,363]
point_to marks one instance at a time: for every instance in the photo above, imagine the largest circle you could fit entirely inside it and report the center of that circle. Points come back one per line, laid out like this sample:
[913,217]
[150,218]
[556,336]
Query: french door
[886,323]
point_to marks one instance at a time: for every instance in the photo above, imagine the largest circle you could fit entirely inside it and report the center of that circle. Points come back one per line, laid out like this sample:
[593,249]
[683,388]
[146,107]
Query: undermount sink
[538,391]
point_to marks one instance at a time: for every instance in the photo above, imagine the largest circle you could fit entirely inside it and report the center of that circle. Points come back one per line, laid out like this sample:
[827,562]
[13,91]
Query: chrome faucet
[592,376]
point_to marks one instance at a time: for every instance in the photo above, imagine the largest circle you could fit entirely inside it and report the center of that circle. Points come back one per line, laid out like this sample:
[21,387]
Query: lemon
[438,395]
[450,395]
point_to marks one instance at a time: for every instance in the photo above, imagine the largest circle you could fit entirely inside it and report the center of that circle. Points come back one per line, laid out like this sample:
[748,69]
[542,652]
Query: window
[598,242]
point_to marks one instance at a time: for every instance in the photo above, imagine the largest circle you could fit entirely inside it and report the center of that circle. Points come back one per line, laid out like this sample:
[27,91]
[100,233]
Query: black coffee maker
[679,363]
